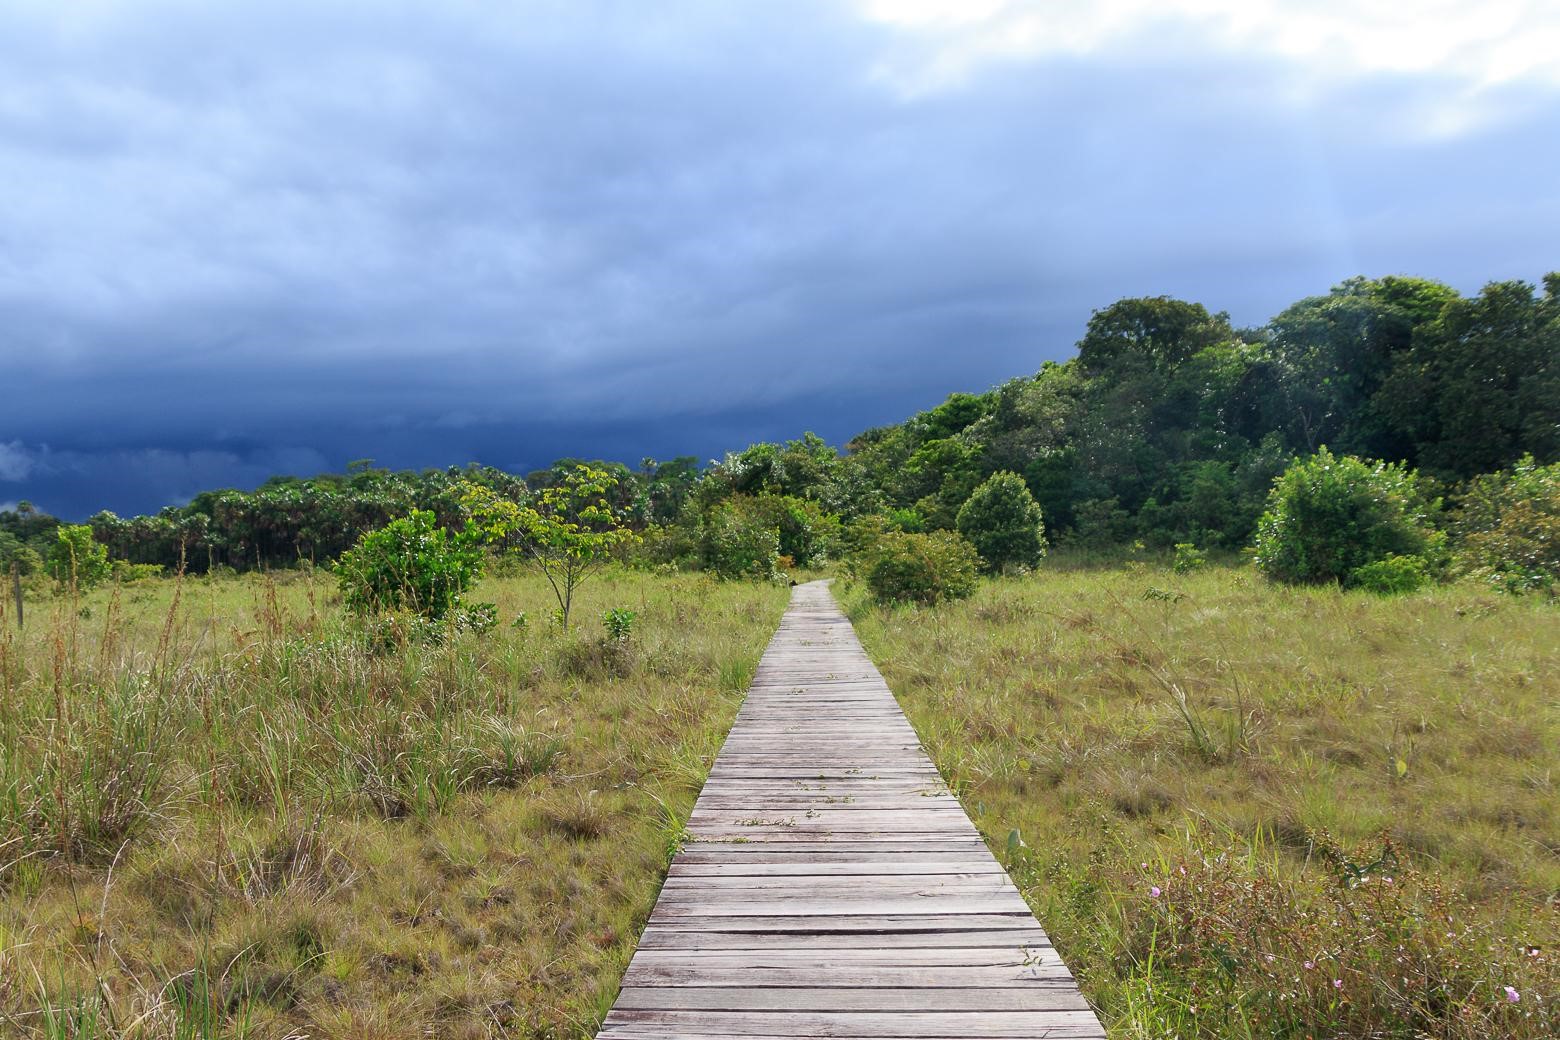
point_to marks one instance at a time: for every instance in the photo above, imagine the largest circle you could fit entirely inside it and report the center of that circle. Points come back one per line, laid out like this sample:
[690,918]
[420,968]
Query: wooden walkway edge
[831,886]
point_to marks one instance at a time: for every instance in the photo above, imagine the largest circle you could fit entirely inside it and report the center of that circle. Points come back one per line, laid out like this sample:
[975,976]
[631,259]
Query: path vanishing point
[830,885]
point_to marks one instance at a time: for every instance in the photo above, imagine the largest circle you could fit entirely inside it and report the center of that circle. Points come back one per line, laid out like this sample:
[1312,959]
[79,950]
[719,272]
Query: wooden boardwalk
[831,886]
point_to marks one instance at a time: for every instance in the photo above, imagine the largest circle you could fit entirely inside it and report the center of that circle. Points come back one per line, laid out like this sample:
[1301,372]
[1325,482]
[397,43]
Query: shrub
[1509,527]
[1328,516]
[669,547]
[1188,558]
[127,572]
[1391,576]
[1002,520]
[739,540]
[76,558]
[619,623]
[409,564]
[480,618]
[922,568]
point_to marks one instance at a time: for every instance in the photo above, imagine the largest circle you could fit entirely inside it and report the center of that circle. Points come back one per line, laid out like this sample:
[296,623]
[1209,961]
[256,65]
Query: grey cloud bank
[241,240]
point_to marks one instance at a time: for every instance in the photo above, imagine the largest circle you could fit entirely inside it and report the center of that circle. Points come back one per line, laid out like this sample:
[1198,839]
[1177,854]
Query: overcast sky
[238,239]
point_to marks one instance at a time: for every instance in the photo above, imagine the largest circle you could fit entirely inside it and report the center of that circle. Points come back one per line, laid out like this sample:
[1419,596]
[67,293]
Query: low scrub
[1247,810]
[921,568]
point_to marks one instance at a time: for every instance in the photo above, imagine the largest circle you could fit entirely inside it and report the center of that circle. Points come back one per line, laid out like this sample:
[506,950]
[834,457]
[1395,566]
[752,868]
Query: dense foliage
[1328,518]
[75,560]
[921,568]
[1510,526]
[1002,521]
[409,564]
[1169,428]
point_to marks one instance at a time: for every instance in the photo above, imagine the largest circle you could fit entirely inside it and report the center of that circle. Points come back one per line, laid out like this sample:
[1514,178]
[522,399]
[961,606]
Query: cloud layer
[238,239]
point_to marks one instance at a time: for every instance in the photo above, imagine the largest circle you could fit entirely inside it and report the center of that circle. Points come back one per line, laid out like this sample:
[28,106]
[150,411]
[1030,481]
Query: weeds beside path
[225,813]
[1243,810]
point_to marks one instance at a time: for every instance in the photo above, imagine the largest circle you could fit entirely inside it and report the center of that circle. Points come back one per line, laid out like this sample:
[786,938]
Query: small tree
[1328,516]
[409,564]
[1002,520]
[569,530]
[76,558]
[739,539]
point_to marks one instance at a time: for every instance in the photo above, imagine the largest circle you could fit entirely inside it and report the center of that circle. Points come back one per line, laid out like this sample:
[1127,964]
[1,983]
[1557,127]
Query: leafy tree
[1003,522]
[1333,354]
[568,530]
[666,487]
[740,538]
[409,564]
[1329,516]
[76,559]
[1480,385]
[1152,332]
[808,535]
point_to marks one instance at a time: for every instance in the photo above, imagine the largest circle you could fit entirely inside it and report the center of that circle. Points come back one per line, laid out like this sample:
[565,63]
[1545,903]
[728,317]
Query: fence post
[16,588]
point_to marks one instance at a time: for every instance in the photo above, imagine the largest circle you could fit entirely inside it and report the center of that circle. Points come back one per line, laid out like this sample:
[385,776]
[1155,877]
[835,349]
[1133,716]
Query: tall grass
[1244,810]
[226,809]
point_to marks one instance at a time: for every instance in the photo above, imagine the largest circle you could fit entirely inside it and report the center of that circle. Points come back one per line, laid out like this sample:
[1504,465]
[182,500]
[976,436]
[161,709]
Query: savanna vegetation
[421,771]
[1243,809]
[231,807]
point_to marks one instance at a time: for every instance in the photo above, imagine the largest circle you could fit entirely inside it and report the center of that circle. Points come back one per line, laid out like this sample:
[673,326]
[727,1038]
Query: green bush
[1002,520]
[740,540]
[1188,558]
[619,623]
[1329,516]
[127,572]
[410,564]
[76,558]
[1392,576]
[480,618]
[1509,527]
[808,534]
[922,568]
[1100,524]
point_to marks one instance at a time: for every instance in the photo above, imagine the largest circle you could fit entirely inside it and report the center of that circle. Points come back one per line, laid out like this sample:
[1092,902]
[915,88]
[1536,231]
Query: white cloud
[1479,45]
[16,462]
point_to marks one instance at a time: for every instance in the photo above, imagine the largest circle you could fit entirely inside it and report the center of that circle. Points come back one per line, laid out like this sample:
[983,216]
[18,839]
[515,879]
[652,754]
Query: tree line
[1169,427]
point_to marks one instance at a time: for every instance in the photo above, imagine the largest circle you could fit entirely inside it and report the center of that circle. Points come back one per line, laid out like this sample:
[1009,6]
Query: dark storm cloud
[237,242]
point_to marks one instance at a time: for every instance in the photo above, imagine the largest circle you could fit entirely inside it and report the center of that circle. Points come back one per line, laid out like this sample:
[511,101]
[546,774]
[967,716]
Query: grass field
[1241,810]
[1244,810]
[225,813]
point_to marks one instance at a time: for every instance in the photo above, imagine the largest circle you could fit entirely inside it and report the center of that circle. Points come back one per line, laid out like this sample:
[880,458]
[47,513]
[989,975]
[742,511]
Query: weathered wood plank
[838,976]
[847,958]
[971,1025]
[831,886]
[1013,997]
[821,944]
